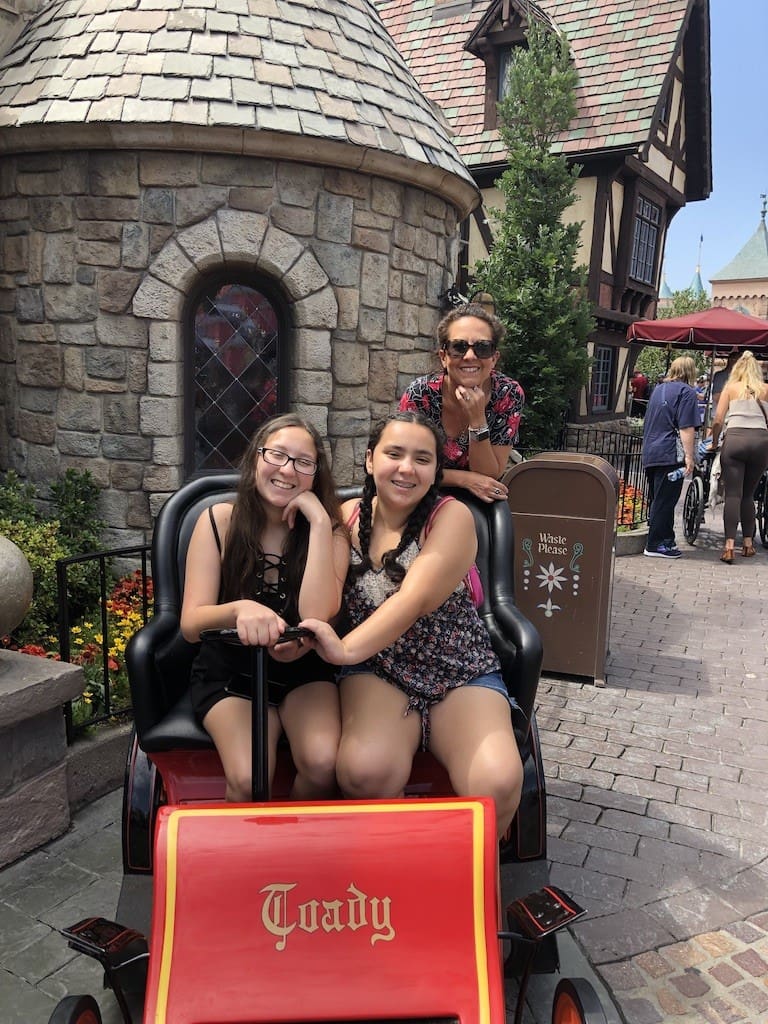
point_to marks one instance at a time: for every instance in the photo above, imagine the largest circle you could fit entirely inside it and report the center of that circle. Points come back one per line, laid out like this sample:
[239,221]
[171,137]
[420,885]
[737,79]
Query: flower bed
[95,640]
[631,511]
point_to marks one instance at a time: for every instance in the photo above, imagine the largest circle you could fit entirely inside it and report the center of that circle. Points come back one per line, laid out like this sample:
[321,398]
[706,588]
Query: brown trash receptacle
[564,509]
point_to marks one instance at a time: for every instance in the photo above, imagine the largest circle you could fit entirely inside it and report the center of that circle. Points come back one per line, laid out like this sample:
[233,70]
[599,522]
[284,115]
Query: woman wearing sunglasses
[478,408]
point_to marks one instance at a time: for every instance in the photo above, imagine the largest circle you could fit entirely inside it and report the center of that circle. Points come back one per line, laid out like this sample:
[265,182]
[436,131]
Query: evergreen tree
[532,273]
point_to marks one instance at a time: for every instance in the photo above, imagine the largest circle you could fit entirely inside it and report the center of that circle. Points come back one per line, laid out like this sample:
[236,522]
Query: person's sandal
[727,556]
[748,550]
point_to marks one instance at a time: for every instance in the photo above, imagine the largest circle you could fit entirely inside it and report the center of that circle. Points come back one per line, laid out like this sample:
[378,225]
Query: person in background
[743,410]
[720,378]
[639,386]
[668,437]
[419,666]
[279,553]
[478,409]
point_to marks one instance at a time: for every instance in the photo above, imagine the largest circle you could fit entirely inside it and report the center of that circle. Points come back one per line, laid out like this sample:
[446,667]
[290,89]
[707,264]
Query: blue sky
[739,53]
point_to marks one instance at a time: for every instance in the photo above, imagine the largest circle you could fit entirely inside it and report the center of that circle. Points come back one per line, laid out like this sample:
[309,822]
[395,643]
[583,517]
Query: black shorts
[223,670]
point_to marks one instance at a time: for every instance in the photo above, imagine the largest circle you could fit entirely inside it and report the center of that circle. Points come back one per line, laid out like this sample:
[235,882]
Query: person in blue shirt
[668,436]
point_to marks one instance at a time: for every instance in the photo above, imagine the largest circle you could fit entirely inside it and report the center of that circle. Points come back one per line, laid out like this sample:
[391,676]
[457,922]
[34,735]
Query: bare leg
[312,722]
[229,725]
[378,740]
[472,737]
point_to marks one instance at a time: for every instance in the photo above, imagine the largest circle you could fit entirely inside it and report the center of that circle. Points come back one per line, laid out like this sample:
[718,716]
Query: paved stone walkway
[658,790]
[657,813]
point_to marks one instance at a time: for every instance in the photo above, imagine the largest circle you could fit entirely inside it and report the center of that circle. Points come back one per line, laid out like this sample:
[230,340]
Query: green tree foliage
[532,271]
[653,361]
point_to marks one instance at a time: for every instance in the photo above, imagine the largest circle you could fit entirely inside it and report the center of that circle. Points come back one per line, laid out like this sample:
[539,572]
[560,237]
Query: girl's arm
[442,563]
[255,623]
[327,559]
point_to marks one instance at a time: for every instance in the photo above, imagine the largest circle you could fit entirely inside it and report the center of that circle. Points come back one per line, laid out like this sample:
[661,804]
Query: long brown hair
[413,527]
[243,557]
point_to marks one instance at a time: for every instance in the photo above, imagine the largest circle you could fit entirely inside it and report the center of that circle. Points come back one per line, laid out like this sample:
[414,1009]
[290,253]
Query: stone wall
[100,251]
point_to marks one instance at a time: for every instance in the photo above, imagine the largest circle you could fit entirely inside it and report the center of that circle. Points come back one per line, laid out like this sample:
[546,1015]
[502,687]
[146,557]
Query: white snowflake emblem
[551,577]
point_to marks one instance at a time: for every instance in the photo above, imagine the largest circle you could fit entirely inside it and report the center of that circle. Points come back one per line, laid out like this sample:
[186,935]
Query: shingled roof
[622,51]
[751,262]
[246,76]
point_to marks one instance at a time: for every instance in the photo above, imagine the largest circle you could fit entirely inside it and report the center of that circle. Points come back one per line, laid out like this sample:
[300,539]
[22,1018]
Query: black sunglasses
[482,349]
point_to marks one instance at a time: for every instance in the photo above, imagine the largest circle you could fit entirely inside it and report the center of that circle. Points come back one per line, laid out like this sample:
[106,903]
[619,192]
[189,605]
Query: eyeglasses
[459,348]
[277,458]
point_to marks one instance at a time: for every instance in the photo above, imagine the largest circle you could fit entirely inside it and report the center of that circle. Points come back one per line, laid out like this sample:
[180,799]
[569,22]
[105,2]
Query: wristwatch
[479,433]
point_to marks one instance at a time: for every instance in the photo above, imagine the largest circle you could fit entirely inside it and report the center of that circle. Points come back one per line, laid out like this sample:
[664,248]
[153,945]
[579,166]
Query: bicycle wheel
[761,497]
[693,509]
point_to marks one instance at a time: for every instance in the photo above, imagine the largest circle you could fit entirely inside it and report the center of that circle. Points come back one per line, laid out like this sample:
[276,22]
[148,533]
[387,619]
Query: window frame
[211,284]
[643,227]
[606,375]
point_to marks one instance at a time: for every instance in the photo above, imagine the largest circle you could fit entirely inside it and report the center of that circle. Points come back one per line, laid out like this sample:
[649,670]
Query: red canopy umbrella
[717,330]
[714,328]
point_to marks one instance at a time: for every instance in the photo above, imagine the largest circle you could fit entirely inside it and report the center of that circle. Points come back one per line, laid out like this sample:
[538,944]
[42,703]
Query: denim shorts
[491,681]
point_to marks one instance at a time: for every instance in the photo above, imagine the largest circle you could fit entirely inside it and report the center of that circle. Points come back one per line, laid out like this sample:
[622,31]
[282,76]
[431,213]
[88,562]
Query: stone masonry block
[78,411]
[121,332]
[317,311]
[72,303]
[114,174]
[241,234]
[197,204]
[350,363]
[160,417]
[104,362]
[31,747]
[202,244]
[33,814]
[173,266]
[374,280]
[165,379]
[72,442]
[279,252]
[313,349]
[117,289]
[36,427]
[312,386]
[39,365]
[305,276]
[157,300]
[58,259]
[31,686]
[165,341]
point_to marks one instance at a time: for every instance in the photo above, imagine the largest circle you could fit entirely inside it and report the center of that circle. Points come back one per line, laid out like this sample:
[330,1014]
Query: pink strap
[435,508]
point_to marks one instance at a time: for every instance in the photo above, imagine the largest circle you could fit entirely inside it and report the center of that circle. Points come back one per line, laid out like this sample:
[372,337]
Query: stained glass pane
[235,372]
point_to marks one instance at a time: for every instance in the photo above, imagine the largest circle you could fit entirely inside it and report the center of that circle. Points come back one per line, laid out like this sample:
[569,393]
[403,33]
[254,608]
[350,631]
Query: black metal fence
[102,663]
[624,452]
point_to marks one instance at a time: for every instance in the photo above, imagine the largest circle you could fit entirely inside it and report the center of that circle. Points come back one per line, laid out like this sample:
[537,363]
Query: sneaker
[663,551]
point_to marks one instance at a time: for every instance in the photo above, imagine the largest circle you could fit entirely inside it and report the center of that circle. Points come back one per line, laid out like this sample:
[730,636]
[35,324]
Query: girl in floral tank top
[417,663]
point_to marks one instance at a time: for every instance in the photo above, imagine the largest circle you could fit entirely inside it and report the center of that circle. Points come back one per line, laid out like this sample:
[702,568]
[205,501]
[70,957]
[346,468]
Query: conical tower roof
[751,263]
[696,287]
[318,81]
[665,292]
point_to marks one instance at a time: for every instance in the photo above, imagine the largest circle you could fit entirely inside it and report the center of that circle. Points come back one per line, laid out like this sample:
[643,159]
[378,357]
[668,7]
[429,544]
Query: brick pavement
[657,787]
[658,806]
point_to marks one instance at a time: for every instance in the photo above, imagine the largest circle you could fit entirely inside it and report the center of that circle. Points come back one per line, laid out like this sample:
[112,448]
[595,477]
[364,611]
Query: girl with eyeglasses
[478,409]
[278,554]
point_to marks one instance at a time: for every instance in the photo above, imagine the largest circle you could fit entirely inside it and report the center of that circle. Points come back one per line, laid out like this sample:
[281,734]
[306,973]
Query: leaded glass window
[235,373]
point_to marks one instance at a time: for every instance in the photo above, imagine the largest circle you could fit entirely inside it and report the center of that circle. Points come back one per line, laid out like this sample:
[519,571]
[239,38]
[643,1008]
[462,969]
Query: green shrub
[17,499]
[74,530]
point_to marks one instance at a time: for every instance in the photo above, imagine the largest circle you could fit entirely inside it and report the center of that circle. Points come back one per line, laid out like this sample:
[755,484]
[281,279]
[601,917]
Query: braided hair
[417,519]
